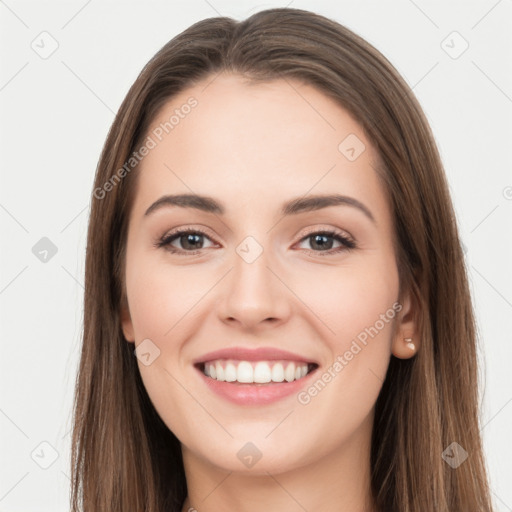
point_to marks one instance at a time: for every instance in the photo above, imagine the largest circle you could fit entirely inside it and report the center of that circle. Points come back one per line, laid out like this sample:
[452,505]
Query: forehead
[283,138]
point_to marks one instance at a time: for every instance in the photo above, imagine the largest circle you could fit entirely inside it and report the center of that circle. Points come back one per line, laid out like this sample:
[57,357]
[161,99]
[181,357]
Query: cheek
[161,297]
[358,315]
[351,298]
[356,309]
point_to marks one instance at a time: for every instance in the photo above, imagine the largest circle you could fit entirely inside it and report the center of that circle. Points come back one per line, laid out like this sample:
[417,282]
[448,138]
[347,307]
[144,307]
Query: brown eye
[189,241]
[322,242]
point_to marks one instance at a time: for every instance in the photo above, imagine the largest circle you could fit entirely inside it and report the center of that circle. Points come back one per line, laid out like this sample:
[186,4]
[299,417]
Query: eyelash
[347,243]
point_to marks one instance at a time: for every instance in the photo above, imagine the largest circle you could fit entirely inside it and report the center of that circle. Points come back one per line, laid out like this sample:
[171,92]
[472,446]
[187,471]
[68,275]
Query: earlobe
[404,348]
[406,341]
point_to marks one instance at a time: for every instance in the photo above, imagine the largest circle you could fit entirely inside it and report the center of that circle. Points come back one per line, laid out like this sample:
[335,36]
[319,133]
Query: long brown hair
[124,458]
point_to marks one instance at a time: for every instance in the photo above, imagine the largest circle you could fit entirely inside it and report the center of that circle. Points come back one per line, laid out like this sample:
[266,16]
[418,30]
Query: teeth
[244,372]
[259,372]
[230,372]
[278,373]
[219,372]
[289,373]
[262,373]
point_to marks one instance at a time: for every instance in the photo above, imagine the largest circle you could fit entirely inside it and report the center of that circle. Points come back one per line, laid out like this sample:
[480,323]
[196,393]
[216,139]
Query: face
[262,267]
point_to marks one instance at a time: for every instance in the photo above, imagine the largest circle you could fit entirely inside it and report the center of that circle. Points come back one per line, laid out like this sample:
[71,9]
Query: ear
[126,321]
[406,340]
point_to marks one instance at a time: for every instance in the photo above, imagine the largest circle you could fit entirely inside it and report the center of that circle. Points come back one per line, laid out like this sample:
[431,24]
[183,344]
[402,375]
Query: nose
[254,294]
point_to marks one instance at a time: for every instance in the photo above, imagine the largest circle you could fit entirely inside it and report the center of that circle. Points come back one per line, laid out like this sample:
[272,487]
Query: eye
[191,241]
[322,242]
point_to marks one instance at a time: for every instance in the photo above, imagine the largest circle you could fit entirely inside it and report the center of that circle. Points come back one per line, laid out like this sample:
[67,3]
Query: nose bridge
[253,292]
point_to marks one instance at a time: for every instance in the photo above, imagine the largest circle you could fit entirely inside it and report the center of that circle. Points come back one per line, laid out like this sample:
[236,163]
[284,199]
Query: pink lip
[258,354]
[256,394]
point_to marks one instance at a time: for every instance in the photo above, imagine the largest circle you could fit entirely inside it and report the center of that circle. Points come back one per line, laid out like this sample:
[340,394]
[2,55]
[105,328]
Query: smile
[256,372]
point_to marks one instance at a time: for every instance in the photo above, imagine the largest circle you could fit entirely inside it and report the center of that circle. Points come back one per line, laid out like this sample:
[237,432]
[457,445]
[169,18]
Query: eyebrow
[292,207]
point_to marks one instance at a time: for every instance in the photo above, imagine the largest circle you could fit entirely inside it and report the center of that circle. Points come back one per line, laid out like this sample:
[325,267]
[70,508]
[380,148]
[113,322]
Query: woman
[276,307]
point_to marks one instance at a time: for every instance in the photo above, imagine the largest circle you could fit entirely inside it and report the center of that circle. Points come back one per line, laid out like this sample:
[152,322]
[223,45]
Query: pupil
[322,237]
[190,239]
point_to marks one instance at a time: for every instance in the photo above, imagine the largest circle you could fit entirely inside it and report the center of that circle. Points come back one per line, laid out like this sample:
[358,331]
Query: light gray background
[55,114]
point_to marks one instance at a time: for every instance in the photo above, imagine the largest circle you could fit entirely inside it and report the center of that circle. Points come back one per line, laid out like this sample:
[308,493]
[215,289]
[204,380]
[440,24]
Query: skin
[253,147]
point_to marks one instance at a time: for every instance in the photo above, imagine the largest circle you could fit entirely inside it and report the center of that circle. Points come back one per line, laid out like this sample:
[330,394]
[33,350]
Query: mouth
[255,376]
[263,372]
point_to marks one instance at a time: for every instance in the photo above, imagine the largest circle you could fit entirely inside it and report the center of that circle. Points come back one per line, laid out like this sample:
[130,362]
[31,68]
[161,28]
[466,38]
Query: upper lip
[258,354]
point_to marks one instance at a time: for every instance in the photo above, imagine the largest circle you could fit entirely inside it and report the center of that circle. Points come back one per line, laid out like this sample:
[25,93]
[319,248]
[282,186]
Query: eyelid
[192,227]
[317,229]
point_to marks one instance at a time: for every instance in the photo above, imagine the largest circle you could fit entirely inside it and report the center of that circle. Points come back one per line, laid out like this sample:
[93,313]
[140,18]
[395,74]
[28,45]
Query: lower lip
[255,394]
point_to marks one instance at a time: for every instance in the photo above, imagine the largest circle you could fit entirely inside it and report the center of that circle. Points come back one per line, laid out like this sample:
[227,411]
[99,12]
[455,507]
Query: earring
[410,344]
